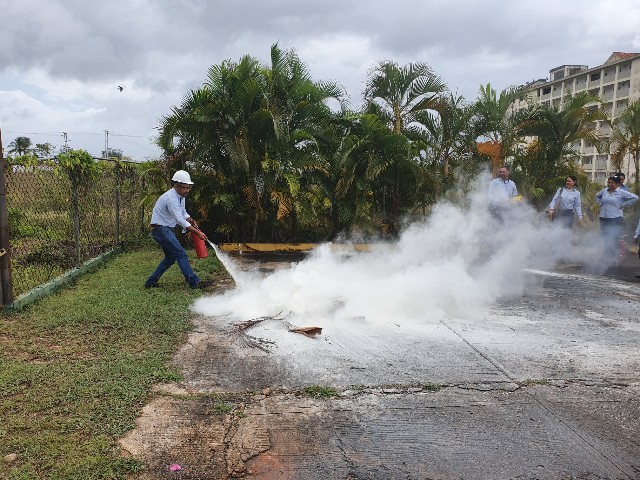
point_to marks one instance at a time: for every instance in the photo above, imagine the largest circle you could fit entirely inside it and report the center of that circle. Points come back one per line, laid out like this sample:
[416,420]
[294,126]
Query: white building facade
[616,83]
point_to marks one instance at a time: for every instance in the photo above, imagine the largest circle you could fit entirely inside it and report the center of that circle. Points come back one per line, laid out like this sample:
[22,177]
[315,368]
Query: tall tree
[625,138]
[558,126]
[397,93]
[44,150]
[555,128]
[254,128]
[445,138]
[495,122]
[20,146]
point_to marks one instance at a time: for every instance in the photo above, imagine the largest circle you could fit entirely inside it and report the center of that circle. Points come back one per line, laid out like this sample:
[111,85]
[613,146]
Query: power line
[144,150]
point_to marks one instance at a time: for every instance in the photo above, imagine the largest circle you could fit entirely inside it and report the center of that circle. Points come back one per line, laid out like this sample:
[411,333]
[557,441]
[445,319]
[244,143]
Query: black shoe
[151,285]
[203,284]
[638,275]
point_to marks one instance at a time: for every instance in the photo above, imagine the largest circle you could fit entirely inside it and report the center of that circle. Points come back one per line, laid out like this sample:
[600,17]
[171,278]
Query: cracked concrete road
[544,386]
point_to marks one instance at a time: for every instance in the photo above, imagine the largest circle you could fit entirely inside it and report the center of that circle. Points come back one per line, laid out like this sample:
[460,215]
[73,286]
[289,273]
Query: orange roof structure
[615,56]
[494,151]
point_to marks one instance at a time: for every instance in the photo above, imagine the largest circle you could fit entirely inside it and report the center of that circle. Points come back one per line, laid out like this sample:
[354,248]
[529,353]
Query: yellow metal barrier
[242,248]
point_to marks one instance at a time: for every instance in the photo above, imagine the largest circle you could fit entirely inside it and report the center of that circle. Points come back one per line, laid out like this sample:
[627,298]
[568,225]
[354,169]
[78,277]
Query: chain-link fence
[57,220]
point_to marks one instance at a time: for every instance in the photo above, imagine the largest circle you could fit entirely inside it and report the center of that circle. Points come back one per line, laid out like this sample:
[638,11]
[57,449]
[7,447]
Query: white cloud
[67,57]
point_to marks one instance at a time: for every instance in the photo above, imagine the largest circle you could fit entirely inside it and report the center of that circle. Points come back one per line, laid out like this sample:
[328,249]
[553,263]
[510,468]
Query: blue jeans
[611,229]
[173,252]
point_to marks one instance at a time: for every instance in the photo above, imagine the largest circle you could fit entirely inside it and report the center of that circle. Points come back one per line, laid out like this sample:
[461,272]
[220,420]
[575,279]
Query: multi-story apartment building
[616,83]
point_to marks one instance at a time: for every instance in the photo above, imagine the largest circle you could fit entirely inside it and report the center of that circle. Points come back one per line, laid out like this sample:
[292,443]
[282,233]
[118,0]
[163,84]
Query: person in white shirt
[501,192]
[565,202]
[169,212]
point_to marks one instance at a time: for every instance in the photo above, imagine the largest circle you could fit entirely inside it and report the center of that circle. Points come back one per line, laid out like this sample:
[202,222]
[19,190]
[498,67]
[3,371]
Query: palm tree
[625,138]
[494,121]
[559,126]
[398,93]
[20,146]
[556,128]
[445,138]
[44,150]
[302,122]
[397,96]
[253,130]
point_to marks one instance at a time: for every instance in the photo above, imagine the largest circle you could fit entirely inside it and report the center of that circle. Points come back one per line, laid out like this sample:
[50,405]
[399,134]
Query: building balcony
[624,73]
[624,92]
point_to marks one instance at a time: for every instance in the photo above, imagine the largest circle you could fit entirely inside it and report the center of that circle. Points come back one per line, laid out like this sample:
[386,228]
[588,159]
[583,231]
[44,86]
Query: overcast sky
[62,61]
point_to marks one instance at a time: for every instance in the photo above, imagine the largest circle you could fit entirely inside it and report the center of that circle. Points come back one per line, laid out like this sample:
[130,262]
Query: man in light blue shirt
[169,212]
[501,192]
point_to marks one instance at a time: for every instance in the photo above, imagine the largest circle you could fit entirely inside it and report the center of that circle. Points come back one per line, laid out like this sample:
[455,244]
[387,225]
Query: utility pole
[106,144]
[66,147]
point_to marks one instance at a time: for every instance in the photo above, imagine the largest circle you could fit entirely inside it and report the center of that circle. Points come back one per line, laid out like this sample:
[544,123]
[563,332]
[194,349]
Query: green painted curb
[49,287]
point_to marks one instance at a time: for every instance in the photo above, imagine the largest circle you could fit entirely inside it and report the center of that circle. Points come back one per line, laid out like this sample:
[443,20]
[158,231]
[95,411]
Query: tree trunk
[636,160]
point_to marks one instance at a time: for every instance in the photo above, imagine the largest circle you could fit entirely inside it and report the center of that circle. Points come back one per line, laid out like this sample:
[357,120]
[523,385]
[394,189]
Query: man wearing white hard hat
[169,212]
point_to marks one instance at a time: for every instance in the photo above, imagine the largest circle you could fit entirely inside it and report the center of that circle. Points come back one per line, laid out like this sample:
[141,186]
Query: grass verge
[77,366]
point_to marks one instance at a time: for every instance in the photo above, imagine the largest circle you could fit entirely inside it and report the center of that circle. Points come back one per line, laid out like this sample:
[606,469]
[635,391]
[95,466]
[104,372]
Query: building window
[546,90]
[595,76]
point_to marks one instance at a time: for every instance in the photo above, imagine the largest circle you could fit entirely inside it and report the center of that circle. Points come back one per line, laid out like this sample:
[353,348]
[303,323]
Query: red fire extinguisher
[201,248]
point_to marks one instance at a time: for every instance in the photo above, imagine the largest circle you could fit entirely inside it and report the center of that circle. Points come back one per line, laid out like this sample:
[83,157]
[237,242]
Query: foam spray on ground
[228,264]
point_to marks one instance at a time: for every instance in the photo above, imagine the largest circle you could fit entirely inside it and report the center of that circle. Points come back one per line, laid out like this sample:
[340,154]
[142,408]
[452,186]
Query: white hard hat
[182,177]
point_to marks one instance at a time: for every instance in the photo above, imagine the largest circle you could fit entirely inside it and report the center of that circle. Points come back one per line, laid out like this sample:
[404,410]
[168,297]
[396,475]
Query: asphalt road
[543,386]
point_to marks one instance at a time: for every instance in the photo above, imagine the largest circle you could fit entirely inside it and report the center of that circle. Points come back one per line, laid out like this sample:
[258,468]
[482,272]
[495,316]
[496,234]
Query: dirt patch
[198,434]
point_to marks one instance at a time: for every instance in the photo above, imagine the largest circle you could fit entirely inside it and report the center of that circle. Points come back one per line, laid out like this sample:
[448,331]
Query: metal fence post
[116,172]
[143,226]
[76,216]
[5,248]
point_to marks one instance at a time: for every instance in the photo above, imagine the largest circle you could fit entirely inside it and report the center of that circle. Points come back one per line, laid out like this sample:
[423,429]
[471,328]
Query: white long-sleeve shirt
[612,203]
[170,210]
[569,200]
[500,192]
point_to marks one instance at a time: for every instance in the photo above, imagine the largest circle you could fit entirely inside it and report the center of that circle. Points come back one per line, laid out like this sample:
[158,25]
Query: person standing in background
[501,191]
[565,202]
[612,200]
[622,178]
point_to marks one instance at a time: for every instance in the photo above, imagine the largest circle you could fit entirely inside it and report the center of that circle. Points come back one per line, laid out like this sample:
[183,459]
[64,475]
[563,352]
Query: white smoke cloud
[454,265]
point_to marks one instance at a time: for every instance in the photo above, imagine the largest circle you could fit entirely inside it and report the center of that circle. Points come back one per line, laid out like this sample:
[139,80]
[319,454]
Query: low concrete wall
[49,287]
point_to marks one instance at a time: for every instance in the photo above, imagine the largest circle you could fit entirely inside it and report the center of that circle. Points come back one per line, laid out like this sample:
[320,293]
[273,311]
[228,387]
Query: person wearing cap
[169,212]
